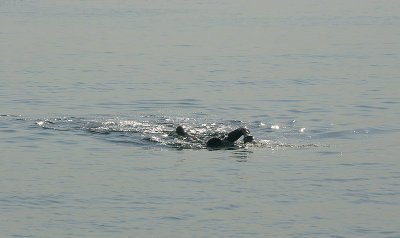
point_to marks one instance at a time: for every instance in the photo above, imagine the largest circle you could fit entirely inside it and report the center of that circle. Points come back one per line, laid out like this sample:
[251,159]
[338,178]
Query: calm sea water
[91,92]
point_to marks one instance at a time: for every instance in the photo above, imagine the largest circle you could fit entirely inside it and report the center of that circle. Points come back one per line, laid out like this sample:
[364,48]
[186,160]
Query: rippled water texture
[92,91]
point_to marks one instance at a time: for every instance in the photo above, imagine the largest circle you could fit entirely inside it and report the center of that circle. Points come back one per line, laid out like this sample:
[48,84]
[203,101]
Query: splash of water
[160,131]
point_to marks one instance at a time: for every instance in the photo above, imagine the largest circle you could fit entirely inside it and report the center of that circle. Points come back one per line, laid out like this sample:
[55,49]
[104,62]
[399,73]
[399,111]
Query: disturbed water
[91,93]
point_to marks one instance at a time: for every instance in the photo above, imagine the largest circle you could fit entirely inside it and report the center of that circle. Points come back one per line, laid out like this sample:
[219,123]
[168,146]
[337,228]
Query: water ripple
[155,131]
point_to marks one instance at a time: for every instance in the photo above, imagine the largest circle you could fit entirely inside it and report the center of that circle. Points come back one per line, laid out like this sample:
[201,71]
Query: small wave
[159,131]
[280,145]
[351,133]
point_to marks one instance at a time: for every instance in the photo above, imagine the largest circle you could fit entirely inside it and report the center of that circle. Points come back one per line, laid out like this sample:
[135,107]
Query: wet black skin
[226,141]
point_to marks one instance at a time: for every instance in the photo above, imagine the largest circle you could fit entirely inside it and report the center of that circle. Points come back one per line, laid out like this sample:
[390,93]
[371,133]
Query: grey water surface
[91,92]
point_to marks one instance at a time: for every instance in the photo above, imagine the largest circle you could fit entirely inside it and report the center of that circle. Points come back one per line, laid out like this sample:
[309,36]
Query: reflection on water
[160,131]
[241,155]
